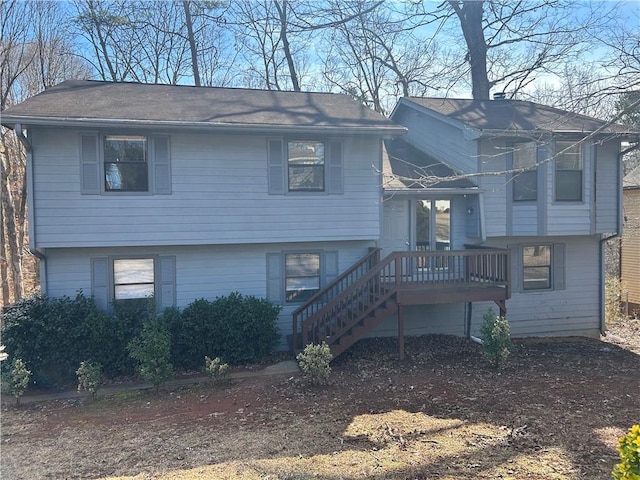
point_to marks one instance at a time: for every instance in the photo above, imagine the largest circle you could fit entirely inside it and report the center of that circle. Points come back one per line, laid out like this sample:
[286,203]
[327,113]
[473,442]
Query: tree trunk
[470,15]
[13,248]
[192,42]
[282,12]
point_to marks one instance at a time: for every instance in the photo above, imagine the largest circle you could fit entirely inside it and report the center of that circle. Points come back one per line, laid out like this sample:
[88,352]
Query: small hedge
[54,335]
[240,329]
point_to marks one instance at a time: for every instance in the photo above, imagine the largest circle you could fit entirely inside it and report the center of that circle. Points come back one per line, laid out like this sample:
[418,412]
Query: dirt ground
[555,411]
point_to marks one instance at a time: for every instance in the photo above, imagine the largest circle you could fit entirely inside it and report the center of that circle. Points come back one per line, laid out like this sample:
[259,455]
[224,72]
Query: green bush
[629,450]
[53,335]
[89,377]
[152,351]
[241,329]
[315,362]
[16,380]
[496,339]
[215,369]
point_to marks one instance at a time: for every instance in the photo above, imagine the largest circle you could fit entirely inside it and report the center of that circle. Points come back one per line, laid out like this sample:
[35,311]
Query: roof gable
[93,101]
[408,168]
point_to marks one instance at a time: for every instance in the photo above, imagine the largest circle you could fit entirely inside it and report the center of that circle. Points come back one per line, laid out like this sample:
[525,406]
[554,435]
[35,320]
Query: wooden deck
[372,289]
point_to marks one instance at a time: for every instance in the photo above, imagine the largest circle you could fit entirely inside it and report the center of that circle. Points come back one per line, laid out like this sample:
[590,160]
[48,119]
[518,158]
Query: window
[302,276]
[305,161]
[525,184]
[125,163]
[569,167]
[536,266]
[133,278]
[133,164]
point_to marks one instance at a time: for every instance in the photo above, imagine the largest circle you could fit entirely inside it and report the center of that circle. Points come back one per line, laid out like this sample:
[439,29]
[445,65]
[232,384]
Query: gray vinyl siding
[607,187]
[574,310]
[493,159]
[219,195]
[441,140]
[440,319]
[202,271]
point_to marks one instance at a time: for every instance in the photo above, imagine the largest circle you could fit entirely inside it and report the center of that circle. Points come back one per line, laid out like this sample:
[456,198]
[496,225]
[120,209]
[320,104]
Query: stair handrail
[344,294]
[372,258]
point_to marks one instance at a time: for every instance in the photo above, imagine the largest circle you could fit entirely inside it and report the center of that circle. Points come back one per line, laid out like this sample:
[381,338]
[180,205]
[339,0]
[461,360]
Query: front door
[395,226]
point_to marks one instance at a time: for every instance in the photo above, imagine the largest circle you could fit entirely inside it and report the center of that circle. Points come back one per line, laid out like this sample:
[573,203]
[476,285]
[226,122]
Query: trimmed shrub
[315,362]
[241,329]
[17,379]
[496,339]
[89,377]
[215,369]
[152,351]
[629,450]
[53,335]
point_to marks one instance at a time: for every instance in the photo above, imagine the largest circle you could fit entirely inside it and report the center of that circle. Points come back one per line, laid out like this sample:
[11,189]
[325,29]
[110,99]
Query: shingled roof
[512,116]
[87,102]
[632,179]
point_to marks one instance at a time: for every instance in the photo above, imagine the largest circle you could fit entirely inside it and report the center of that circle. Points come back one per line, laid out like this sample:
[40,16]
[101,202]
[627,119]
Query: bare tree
[32,58]
[509,44]
[373,54]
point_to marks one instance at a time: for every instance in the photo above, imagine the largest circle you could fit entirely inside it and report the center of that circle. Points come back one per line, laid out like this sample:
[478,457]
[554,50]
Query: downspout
[610,237]
[30,210]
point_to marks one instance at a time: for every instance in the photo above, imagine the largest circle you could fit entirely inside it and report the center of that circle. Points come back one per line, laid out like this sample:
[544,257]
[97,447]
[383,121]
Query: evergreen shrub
[315,362]
[240,329]
[629,450]
[496,339]
[151,350]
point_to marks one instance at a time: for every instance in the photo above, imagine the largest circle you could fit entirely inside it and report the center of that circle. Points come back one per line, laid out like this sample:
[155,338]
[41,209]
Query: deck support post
[400,332]
[502,305]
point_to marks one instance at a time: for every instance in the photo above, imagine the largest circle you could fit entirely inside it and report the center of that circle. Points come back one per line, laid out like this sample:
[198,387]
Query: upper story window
[305,161]
[125,163]
[525,184]
[305,166]
[568,171]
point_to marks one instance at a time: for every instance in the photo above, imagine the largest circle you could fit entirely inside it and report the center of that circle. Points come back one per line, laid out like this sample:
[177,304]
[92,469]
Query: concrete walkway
[285,367]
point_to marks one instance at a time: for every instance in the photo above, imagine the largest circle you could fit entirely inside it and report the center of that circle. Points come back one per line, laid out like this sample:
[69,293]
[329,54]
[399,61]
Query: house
[191,192]
[630,247]
[321,205]
[546,186]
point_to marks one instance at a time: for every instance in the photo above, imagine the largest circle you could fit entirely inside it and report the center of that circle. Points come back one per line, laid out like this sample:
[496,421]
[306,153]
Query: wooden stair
[371,290]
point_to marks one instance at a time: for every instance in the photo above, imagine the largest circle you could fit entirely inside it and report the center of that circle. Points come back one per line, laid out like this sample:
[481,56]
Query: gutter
[392,130]
[30,208]
[610,237]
